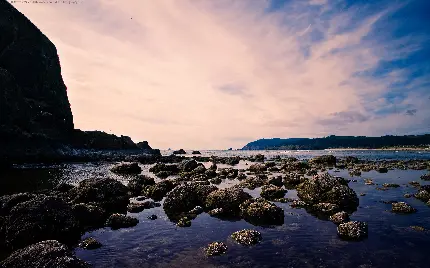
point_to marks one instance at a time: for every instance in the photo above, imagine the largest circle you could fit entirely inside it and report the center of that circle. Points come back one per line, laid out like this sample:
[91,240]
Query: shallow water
[302,241]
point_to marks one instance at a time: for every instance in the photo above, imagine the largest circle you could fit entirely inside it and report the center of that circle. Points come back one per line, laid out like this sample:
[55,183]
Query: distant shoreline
[381,149]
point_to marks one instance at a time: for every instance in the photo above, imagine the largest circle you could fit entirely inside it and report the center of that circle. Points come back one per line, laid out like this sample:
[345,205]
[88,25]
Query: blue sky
[219,74]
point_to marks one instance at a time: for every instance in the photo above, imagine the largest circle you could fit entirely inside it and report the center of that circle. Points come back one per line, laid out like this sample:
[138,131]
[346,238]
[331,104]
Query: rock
[216,180]
[127,168]
[261,212]
[258,168]
[90,243]
[271,192]
[402,207]
[253,182]
[418,228]
[393,185]
[216,212]
[293,179]
[38,219]
[277,181]
[369,182]
[414,183]
[180,151]
[7,202]
[425,177]
[210,173]
[197,210]
[351,159]
[89,216]
[425,188]
[99,140]
[163,174]
[215,249]
[152,217]
[407,195]
[340,217]
[159,190]
[298,204]
[325,188]
[326,208]
[185,197]
[353,230]
[362,194]
[117,221]
[196,152]
[34,108]
[247,237]
[382,170]
[228,199]
[45,254]
[107,193]
[139,207]
[141,198]
[324,159]
[135,185]
[188,165]
[159,167]
[422,195]
[213,167]
[184,222]
[143,145]
[283,200]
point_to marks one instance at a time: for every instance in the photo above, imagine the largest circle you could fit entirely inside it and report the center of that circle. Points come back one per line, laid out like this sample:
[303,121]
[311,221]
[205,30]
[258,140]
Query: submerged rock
[228,199]
[340,217]
[215,249]
[90,243]
[402,207]
[353,230]
[271,192]
[127,168]
[185,197]
[49,253]
[38,219]
[117,221]
[261,212]
[247,237]
[107,193]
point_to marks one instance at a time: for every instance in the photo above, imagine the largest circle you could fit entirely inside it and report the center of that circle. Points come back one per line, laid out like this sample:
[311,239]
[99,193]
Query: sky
[199,74]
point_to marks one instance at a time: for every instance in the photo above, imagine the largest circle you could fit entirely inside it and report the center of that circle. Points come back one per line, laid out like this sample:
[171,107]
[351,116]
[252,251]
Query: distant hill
[332,142]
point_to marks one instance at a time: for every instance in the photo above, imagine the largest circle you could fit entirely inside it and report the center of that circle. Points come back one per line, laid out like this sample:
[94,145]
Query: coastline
[382,149]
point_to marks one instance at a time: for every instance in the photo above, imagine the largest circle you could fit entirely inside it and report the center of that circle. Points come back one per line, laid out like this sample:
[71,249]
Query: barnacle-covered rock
[215,249]
[353,230]
[247,237]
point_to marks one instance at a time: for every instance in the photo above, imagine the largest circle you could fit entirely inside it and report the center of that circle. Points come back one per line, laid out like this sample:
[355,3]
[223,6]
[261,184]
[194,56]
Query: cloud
[197,74]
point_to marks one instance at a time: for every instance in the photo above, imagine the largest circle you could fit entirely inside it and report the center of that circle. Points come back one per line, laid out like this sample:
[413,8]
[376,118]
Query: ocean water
[302,241]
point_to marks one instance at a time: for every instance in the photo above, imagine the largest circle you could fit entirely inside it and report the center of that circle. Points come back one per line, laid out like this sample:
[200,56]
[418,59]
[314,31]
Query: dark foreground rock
[135,185]
[45,254]
[117,221]
[89,216]
[340,217]
[159,190]
[353,230]
[127,168]
[107,193]
[41,218]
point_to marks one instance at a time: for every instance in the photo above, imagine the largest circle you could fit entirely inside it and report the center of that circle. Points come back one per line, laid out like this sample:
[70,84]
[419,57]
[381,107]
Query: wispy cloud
[233,69]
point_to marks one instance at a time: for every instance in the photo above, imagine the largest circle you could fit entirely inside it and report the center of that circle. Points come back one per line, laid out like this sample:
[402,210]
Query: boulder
[324,159]
[107,193]
[188,165]
[247,237]
[196,152]
[90,243]
[159,190]
[215,249]
[127,168]
[185,197]
[326,208]
[117,221]
[89,216]
[7,202]
[180,151]
[261,212]
[135,185]
[228,200]
[38,219]
[172,169]
[139,207]
[422,195]
[402,207]
[340,217]
[425,177]
[353,230]
[271,192]
[143,145]
[44,254]
[277,181]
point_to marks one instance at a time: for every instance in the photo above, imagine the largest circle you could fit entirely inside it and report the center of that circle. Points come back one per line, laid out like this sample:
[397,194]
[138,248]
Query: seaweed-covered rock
[216,212]
[291,180]
[185,197]
[253,182]
[326,208]
[422,195]
[135,185]
[277,181]
[271,192]
[210,173]
[139,207]
[117,221]
[89,216]
[369,182]
[159,167]
[402,207]
[127,168]
[90,243]
[45,254]
[228,199]
[7,202]
[352,159]
[247,237]
[298,204]
[107,193]
[41,218]
[257,168]
[188,165]
[325,188]
[324,159]
[425,177]
[353,230]
[184,222]
[215,249]
[340,217]
[261,212]
[216,180]
[159,190]
[391,185]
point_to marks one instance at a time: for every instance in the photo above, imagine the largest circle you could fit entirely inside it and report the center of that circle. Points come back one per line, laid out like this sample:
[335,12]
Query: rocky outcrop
[144,145]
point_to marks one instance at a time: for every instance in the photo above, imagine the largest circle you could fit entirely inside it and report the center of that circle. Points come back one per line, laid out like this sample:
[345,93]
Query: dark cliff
[34,107]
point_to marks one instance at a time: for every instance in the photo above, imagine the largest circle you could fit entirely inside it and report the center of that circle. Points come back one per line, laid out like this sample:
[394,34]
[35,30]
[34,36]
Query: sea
[304,240]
